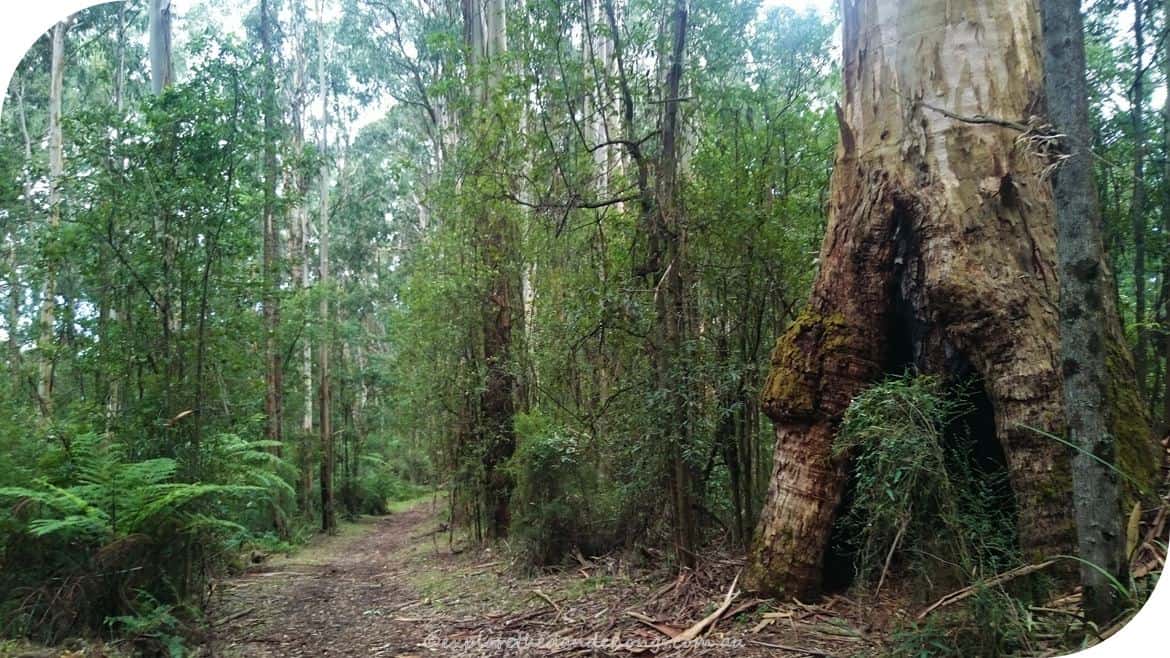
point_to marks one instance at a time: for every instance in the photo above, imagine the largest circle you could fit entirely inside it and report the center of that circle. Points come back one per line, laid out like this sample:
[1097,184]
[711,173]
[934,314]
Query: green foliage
[153,629]
[103,526]
[918,491]
[380,484]
[921,497]
[555,500]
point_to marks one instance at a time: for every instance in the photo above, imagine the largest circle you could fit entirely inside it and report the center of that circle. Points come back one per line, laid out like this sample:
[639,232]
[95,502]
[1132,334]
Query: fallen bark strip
[694,631]
[667,630]
[959,595]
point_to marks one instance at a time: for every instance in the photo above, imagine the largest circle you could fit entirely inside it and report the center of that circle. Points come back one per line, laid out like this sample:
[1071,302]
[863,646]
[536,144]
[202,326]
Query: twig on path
[549,601]
[526,616]
[233,617]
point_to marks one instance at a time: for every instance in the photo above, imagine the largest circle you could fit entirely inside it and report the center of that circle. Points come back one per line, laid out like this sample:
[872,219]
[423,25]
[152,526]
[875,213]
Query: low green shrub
[553,501]
[106,533]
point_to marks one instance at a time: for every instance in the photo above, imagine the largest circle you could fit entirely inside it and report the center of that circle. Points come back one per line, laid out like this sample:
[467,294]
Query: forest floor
[396,586]
[401,586]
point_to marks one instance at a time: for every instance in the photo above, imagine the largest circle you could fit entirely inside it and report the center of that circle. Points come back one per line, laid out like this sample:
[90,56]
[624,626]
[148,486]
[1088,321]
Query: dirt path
[392,586]
[337,597]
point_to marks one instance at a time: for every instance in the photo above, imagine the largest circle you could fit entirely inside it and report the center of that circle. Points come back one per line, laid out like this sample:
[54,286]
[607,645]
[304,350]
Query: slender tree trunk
[14,290]
[530,383]
[1084,318]
[161,76]
[939,255]
[274,364]
[670,297]
[324,395]
[162,72]
[274,375]
[1137,209]
[47,318]
[13,310]
[110,299]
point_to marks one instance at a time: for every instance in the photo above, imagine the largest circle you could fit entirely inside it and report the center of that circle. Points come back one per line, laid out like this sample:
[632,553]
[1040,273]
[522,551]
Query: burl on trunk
[939,254]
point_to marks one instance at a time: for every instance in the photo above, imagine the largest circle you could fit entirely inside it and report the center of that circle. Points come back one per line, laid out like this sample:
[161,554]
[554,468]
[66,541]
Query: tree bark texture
[162,72]
[672,308]
[939,255]
[1137,208]
[486,38]
[1166,227]
[274,370]
[47,319]
[324,392]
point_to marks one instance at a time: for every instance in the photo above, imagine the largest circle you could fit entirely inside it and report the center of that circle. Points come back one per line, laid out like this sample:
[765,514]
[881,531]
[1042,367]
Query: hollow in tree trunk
[940,256]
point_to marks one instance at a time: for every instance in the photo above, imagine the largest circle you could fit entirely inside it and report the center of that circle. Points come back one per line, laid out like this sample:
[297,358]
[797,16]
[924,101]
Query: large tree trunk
[486,39]
[298,249]
[673,325]
[273,361]
[273,371]
[939,255]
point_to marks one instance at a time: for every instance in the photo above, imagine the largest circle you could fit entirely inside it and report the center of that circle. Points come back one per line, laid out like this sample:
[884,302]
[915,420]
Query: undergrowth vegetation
[919,495]
[102,542]
[926,513]
[556,500]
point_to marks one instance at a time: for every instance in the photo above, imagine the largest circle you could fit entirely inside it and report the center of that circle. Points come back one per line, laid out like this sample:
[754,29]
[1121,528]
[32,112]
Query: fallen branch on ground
[548,600]
[959,595]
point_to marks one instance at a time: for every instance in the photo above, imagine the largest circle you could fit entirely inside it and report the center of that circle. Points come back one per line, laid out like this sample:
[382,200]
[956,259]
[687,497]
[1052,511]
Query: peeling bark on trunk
[940,255]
